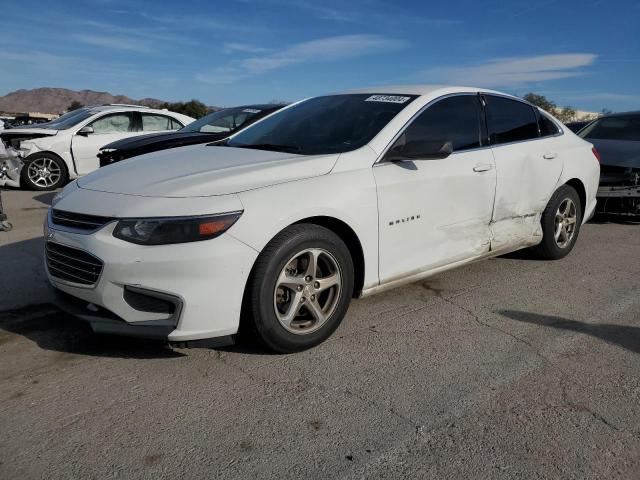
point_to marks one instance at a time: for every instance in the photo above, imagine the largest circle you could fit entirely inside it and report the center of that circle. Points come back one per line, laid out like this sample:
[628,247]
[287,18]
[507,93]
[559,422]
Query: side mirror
[420,150]
[84,131]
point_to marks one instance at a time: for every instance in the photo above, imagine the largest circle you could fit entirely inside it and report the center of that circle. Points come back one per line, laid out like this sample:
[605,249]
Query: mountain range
[57,100]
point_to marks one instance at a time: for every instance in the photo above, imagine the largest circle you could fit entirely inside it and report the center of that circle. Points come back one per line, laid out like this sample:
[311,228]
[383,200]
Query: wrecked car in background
[617,139]
[66,148]
[210,128]
[10,167]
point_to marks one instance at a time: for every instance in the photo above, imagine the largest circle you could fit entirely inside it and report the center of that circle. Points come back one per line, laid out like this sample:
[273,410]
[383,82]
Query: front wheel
[300,288]
[43,171]
[560,224]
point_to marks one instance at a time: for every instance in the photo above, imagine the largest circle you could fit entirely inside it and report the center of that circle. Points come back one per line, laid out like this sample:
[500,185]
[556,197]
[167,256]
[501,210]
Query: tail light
[596,154]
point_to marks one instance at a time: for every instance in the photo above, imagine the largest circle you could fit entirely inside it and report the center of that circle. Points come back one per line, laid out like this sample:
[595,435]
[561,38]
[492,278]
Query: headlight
[163,231]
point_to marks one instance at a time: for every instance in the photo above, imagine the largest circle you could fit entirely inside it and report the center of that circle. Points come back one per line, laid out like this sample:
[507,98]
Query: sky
[584,54]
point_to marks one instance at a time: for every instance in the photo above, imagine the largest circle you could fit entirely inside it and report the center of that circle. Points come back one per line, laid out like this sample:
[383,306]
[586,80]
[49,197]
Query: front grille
[72,265]
[79,221]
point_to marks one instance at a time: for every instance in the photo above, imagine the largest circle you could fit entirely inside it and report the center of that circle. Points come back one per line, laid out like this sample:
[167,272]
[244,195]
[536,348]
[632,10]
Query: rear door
[436,212]
[528,168]
[106,129]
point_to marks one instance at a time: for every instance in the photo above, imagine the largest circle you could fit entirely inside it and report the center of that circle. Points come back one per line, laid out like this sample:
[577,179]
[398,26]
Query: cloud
[321,50]
[117,42]
[242,47]
[509,72]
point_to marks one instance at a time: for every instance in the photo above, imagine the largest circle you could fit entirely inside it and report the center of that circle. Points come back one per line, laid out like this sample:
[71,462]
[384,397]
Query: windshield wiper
[269,146]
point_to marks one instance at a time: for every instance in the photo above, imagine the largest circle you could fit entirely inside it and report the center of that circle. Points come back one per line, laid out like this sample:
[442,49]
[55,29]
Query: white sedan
[67,147]
[333,197]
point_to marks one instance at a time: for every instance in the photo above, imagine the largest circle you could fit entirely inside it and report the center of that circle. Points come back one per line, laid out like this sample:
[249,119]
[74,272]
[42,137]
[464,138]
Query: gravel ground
[508,368]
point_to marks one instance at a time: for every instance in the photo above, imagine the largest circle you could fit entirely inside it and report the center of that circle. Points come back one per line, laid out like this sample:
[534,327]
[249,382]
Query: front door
[106,129]
[436,212]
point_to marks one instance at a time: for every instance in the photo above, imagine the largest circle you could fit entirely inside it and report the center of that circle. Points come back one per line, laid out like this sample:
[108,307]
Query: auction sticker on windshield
[387,98]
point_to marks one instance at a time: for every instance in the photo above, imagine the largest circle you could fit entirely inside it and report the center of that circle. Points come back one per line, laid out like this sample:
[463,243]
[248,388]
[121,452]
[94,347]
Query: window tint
[614,128]
[547,126]
[455,119]
[509,120]
[116,123]
[156,123]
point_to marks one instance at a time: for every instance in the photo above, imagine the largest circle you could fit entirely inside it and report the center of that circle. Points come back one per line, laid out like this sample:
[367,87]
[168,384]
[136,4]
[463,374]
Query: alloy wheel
[307,291]
[565,223]
[44,172]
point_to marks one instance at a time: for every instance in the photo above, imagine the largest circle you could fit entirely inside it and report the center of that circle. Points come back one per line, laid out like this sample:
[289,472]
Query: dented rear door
[528,168]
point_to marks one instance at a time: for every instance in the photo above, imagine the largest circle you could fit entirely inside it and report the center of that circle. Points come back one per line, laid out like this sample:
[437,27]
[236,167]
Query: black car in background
[617,139]
[575,127]
[210,128]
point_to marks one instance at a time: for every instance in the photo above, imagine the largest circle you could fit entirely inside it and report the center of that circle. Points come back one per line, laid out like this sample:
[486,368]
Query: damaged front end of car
[619,191]
[10,166]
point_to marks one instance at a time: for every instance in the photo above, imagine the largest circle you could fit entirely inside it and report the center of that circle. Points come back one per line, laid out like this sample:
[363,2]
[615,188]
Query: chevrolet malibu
[334,197]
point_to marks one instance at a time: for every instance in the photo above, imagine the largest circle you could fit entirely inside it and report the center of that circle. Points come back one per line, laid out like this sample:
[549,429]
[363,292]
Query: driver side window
[115,123]
[455,119]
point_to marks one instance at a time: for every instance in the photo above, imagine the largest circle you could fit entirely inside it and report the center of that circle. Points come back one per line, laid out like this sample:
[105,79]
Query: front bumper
[203,281]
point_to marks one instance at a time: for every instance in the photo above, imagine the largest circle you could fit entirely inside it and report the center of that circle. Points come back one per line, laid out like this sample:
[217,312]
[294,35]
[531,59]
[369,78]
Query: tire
[559,222]
[43,172]
[283,307]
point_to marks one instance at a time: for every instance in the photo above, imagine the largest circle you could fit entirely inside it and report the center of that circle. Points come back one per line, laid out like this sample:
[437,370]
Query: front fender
[346,196]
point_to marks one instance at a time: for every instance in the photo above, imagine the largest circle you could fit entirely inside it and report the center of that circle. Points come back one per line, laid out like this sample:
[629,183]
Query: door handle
[550,156]
[483,168]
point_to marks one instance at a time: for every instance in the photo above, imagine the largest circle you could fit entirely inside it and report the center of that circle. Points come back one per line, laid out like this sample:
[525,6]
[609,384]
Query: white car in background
[333,197]
[67,147]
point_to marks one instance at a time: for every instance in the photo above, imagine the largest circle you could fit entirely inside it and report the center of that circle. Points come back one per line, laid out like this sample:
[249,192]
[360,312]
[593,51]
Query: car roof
[260,106]
[123,107]
[421,89]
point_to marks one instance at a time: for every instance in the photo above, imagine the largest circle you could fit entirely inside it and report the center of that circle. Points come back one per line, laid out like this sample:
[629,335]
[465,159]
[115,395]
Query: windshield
[227,120]
[614,128]
[322,125]
[67,120]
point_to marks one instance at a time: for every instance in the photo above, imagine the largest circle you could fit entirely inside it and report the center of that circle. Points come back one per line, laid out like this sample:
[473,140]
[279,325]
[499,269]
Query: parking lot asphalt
[508,368]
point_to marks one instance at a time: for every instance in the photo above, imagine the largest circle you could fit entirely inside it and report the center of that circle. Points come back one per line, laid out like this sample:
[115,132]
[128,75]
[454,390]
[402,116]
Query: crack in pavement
[563,374]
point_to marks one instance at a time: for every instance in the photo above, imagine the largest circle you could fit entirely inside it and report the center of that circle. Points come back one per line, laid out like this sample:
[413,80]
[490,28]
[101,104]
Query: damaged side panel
[526,179]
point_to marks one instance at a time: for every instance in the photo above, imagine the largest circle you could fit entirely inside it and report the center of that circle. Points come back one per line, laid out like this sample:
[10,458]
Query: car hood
[203,170]
[158,140]
[30,131]
[618,153]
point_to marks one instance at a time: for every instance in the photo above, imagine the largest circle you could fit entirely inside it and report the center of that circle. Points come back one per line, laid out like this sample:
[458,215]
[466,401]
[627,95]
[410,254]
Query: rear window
[614,128]
[158,123]
[509,120]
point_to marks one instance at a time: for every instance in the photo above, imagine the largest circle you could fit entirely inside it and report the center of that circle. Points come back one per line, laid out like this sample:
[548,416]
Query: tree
[540,101]
[194,108]
[75,105]
[565,114]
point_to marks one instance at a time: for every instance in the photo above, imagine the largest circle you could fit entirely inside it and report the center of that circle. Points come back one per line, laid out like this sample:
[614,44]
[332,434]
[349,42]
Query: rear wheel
[560,224]
[43,171]
[300,288]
